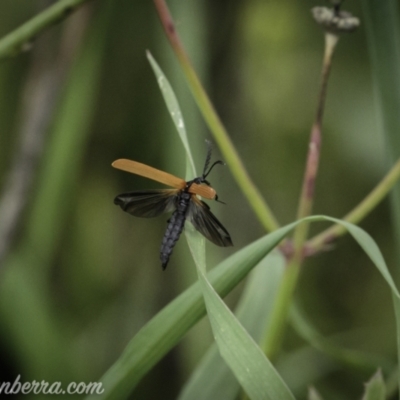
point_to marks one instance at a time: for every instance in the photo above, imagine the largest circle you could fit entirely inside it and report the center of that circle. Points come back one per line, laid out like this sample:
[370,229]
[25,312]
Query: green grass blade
[63,158]
[373,252]
[25,285]
[14,42]
[375,388]
[174,110]
[212,379]
[168,327]
[370,248]
[383,34]
[253,370]
[165,330]
[223,324]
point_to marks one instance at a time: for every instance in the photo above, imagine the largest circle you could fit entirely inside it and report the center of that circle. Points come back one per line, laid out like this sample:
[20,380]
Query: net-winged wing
[147,203]
[207,224]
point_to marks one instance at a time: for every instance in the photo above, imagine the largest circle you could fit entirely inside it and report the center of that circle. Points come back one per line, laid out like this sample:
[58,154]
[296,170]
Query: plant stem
[21,38]
[280,312]
[307,194]
[317,243]
[260,207]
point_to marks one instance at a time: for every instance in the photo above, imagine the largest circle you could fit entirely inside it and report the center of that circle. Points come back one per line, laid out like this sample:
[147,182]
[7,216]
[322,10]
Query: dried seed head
[334,20]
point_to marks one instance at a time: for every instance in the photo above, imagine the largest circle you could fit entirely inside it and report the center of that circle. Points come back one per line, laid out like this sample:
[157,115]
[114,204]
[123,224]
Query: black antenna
[205,174]
[208,158]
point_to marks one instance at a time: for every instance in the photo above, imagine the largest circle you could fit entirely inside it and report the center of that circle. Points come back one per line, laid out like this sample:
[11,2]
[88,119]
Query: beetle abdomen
[174,228]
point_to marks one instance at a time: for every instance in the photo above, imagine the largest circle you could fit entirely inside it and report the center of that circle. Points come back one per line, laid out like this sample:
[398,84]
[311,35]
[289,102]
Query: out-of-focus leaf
[67,144]
[303,366]
[375,388]
[354,358]
[313,394]
[373,252]
[24,284]
[383,34]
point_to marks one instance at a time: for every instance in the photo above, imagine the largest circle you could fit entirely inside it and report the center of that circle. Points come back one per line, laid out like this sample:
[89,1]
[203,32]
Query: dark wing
[206,223]
[147,203]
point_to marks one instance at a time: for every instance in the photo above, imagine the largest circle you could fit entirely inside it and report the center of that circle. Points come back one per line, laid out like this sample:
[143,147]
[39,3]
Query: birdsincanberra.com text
[43,387]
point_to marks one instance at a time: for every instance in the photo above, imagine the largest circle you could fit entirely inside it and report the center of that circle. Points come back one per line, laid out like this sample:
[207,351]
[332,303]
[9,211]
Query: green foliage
[81,295]
[375,388]
[383,32]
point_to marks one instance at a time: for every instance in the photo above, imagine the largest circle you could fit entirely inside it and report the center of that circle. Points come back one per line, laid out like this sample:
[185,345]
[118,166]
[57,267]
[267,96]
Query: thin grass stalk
[256,201]
[21,39]
[274,334]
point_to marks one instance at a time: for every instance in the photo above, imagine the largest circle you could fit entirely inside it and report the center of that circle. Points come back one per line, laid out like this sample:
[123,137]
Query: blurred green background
[82,276]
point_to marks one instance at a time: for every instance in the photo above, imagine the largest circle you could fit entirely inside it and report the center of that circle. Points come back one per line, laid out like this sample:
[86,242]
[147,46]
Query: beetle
[182,200]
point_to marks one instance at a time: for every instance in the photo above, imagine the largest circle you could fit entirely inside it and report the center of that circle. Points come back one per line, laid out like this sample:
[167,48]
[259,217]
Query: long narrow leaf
[212,379]
[253,370]
[173,108]
[165,330]
[45,344]
[373,252]
[168,327]
[383,34]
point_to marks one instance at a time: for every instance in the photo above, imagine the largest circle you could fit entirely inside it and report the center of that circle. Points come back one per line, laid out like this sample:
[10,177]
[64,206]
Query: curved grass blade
[174,109]
[250,366]
[252,369]
[168,327]
[372,250]
[212,379]
[165,330]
